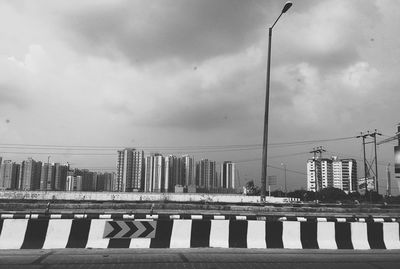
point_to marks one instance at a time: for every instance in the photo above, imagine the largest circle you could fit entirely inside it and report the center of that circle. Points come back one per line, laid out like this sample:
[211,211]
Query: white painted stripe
[175,216]
[34,216]
[282,219]
[391,235]
[197,216]
[7,216]
[96,232]
[127,216]
[219,234]
[361,220]
[322,219]
[219,217]
[301,219]
[326,235]
[105,216]
[80,216]
[241,218]
[55,216]
[57,233]
[393,219]
[181,231]
[341,219]
[359,235]
[151,216]
[379,220]
[140,243]
[256,234]
[291,235]
[13,233]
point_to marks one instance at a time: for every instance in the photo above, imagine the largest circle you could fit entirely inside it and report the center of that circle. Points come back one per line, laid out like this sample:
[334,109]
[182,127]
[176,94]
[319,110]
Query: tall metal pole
[285,181]
[376,165]
[265,139]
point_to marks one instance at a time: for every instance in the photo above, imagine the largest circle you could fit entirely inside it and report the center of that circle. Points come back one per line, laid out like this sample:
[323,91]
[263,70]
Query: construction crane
[396,148]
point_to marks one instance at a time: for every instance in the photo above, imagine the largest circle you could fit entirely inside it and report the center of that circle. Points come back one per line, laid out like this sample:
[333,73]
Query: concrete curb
[166,216]
[205,233]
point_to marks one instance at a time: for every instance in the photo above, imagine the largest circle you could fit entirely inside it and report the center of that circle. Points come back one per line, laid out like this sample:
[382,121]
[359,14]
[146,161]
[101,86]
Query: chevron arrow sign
[130,229]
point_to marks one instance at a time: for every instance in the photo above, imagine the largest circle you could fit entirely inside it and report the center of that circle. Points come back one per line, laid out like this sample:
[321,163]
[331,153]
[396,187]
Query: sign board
[272,180]
[130,229]
[370,184]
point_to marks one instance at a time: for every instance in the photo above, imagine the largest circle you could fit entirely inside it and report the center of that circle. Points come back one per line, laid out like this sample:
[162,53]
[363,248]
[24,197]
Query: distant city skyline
[82,79]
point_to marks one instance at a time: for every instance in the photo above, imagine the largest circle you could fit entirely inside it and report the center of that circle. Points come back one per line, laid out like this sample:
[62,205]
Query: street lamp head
[288,4]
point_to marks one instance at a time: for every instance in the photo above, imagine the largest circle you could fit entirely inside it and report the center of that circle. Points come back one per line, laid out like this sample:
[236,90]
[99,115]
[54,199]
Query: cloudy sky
[179,76]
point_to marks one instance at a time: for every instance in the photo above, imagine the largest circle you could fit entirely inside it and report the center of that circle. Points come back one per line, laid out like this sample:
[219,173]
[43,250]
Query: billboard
[370,184]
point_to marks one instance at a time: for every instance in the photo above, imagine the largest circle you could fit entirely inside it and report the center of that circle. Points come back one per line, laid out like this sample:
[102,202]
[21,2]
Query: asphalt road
[198,258]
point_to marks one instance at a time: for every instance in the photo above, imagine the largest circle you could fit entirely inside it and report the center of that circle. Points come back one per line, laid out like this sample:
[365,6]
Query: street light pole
[265,139]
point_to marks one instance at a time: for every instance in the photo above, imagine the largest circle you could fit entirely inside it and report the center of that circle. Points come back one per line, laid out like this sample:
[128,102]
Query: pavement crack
[41,258]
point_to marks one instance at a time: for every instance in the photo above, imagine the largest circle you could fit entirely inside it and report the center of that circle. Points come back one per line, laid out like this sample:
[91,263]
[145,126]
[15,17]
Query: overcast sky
[178,73]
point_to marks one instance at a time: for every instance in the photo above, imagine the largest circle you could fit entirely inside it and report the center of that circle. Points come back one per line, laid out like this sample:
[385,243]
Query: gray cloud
[187,30]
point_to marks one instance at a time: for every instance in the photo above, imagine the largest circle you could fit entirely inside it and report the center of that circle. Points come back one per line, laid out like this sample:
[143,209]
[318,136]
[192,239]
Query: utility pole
[366,172]
[374,134]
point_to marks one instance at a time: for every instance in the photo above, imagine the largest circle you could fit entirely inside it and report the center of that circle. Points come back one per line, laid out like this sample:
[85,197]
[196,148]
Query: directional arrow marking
[115,229]
[130,229]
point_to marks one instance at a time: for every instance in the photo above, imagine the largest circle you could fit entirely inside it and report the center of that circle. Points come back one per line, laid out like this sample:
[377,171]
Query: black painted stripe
[200,234]
[119,243]
[140,216]
[252,217]
[375,235]
[67,216]
[92,215]
[331,219]
[291,218]
[43,216]
[208,217]
[238,234]
[19,216]
[164,216]
[343,235]
[1,225]
[163,234]
[308,235]
[35,234]
[116,216]
[79,233]
[273,234]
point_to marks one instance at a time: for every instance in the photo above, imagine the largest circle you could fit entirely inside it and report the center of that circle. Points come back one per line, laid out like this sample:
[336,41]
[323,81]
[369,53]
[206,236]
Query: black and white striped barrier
[131,216]
[193,233]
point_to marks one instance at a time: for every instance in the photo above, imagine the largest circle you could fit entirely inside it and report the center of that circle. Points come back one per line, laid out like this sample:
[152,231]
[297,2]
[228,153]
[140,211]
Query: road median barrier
[52,231]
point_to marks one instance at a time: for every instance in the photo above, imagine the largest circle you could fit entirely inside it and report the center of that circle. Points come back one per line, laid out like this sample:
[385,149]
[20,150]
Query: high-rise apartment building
[187,166]
[155,176]
[60,176]
[47,177]
[73,183]
[29,177]
[338,173]
[345,175]
[206,175]
[314,176]
[9,175]
[172,175]
[130,170]
[228,175]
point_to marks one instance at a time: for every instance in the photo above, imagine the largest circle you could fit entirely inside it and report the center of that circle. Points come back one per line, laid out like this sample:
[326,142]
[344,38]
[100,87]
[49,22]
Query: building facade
[9,175]
[29,177]
[206,175]
[228,173]
[130,170]
[155,173]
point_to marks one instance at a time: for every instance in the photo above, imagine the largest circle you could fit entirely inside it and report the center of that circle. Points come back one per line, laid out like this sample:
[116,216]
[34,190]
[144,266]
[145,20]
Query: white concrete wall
[147,197]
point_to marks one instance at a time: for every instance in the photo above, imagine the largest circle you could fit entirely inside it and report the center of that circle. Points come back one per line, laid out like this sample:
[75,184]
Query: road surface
[198,258]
